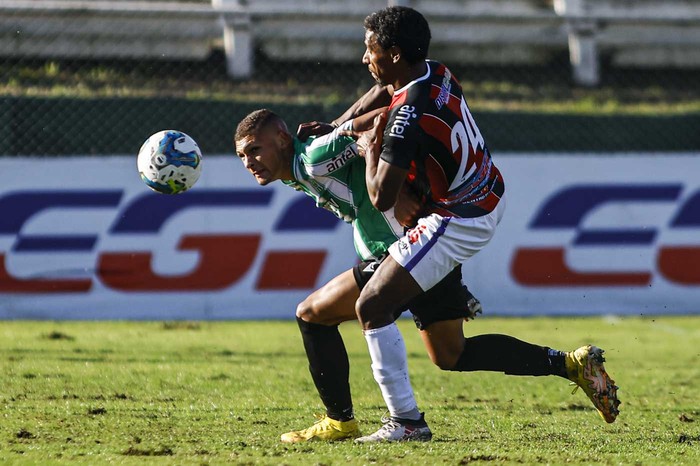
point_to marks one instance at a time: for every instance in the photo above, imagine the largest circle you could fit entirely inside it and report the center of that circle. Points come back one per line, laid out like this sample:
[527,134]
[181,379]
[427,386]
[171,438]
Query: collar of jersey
[425,76]
[299,182]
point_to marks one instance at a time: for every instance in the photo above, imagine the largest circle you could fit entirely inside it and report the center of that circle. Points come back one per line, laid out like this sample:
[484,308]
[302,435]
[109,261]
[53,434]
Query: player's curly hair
[255,121]
[401,26]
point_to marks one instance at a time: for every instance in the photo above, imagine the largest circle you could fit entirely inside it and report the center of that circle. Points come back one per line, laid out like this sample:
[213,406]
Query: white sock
[390,369]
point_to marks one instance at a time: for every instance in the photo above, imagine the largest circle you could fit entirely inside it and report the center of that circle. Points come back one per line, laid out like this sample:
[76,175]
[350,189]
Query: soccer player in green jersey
[329,169]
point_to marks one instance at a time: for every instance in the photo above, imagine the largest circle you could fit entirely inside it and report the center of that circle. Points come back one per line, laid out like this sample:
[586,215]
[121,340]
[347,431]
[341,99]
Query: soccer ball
[169,162]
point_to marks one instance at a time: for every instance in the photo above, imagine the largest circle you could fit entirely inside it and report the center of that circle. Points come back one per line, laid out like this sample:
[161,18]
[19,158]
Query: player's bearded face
[263,155]
[377,59]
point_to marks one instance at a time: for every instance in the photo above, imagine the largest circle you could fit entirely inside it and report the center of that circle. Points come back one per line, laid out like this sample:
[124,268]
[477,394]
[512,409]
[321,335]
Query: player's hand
[370,141]
[408,208]
[313,128]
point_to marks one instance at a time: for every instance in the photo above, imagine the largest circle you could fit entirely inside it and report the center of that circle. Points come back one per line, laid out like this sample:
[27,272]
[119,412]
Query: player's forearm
[383,179]
[365,121]
[373,185]
[384,182]
[378,96]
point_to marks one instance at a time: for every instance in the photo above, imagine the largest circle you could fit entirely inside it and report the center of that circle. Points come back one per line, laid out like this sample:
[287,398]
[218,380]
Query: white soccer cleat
[395,430]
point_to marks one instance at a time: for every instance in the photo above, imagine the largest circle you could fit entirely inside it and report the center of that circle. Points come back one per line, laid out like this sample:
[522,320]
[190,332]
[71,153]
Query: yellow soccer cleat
[324,429]
[584,367]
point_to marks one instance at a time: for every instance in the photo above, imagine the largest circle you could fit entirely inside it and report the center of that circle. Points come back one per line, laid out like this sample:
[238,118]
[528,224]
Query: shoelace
[389,425]
[319,418]
[389,422]
[576,387]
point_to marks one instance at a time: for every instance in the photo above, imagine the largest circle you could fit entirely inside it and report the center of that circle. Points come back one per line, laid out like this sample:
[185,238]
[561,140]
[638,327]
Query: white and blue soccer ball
[170,162]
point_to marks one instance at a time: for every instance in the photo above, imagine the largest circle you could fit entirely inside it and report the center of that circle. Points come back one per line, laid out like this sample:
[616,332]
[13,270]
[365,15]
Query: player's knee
[443,355]
[445,361]
[363,306]
[370,311]
[305,311]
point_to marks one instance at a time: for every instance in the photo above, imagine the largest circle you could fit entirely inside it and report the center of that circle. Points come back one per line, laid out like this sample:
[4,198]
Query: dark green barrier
[608,133]
[119,126]
[45,126]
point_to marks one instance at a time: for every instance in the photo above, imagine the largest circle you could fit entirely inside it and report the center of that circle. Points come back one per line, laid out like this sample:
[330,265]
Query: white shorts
[438,244]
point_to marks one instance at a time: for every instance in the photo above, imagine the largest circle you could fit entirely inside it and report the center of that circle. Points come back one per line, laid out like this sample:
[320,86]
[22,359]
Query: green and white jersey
[329,169]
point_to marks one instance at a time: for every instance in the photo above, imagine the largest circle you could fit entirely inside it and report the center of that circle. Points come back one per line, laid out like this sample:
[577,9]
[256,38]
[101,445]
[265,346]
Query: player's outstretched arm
[313,128]
[366,121]
[377,97]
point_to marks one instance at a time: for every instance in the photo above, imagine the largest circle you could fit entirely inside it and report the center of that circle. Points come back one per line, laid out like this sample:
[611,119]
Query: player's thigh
[389,289]
[333,303]
[444,341]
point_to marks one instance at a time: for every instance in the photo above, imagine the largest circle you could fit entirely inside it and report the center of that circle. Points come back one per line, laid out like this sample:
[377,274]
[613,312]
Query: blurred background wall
[566,88]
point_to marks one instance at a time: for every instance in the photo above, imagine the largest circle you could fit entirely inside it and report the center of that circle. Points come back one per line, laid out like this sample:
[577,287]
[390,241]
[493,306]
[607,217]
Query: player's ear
[284,139]
[395,54]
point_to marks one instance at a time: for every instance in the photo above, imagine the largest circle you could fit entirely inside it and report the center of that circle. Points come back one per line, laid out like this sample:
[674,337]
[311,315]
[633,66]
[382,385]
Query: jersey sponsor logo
[371,267]
[444,96]
[402,120]
[339,161]
[224,258]
[414,233]
[568,211]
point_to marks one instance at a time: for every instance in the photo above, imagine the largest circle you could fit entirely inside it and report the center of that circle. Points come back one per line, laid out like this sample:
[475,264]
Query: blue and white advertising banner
[594,234]
[84,238]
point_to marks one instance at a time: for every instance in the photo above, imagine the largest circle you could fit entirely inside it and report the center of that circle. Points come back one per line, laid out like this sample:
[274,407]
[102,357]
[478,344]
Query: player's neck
[287,174]
[411,73]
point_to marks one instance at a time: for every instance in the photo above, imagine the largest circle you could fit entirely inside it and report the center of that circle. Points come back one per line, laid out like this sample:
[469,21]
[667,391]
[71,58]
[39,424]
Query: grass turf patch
[223,392]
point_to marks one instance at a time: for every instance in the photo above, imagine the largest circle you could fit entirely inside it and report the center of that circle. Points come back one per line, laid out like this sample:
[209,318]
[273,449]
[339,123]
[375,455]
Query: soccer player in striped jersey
[430,141]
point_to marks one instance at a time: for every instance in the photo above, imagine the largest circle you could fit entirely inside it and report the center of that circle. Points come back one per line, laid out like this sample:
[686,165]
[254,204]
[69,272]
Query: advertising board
[84,238]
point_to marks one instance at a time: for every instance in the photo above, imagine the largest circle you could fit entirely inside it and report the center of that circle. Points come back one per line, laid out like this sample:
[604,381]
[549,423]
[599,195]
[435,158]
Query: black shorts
[445,301]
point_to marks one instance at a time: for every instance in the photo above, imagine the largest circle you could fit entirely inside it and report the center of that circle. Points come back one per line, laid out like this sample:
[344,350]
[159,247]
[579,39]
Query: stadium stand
[642,33]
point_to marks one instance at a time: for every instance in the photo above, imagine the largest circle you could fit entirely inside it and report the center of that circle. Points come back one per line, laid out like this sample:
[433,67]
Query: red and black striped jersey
[431,132]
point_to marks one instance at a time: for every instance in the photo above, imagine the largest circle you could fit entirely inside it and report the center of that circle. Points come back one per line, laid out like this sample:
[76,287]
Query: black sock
[503,353]
[329,367]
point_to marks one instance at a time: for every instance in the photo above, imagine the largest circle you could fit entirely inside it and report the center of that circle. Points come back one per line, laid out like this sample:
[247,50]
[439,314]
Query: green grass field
[222,392]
